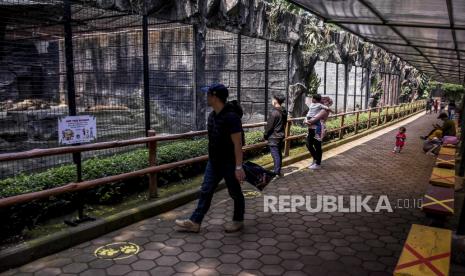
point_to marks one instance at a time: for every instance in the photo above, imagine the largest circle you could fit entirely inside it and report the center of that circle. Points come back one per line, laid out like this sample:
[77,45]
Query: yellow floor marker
[445,161]
[443,177]
[426,252]
[447,151]
[449,146]
[438,200]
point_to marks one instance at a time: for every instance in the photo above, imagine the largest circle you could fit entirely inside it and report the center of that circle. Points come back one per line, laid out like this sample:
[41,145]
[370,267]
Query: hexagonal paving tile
[295,243]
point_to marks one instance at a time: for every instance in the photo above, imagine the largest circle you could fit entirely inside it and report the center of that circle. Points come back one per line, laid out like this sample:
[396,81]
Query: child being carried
[314,117]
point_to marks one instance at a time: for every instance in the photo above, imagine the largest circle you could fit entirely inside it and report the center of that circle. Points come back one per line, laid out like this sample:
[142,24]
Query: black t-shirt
[220,128]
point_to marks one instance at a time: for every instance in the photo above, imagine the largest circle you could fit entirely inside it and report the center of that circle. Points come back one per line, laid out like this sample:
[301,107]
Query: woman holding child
[317,114]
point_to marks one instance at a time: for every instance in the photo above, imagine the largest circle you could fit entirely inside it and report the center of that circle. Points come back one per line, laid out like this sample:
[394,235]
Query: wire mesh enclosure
[171,77]
[134,73]
[32,73]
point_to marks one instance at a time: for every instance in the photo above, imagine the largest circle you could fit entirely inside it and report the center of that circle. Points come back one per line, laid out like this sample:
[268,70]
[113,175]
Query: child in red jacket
[400,140]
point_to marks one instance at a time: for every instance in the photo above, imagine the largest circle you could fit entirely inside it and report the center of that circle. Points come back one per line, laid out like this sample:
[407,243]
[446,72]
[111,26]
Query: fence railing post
[369,118]
[378,121]
[153,185]
[341,130]
[287,143]
[357,121]
[386,114]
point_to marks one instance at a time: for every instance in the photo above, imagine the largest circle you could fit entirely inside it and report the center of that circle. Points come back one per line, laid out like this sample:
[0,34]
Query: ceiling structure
[428,34]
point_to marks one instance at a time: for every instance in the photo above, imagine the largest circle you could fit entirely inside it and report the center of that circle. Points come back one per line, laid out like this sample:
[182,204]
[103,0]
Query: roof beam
[326,20]
[419,46]
[380,17]
[450,11]
[392,24]
[431,56]
[425,62]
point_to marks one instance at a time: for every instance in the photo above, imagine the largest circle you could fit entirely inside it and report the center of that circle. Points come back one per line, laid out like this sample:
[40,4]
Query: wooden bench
[438,201]
[426,252]
[447,151]
[443,177]
[449,146]
[445,161]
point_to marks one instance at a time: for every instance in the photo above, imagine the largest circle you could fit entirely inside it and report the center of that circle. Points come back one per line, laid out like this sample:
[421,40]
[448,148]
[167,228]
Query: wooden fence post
[386,115]
[369,118]
[287,143]
[341,130]
[379,116]
[357,121]
[153,187]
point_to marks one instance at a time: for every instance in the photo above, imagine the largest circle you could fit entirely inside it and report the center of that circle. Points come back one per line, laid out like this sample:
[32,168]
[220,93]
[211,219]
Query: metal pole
[324,91]
[199,56]
[384,89]
[288,74]
[145,56]
[239,66]
[461,226]
[346,85]
[69,59]
[337,86]
[267,64]
[462,144]
[389,90]
[77,159]
[362,105]
[397,88]
[355,87]
[368,87]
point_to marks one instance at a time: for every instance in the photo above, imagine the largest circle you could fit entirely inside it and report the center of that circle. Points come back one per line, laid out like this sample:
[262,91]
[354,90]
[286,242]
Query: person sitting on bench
[447,128]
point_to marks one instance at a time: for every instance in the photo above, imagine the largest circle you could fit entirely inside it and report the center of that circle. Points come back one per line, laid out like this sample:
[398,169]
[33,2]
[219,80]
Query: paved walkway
[299,243]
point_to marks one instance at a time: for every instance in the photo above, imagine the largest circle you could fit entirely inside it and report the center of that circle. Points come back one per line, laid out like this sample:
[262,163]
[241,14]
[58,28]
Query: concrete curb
[44,246]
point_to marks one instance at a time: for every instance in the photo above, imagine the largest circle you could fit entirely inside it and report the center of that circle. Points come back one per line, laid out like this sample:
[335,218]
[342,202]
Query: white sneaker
[315,167]
[311,164]
[187,225]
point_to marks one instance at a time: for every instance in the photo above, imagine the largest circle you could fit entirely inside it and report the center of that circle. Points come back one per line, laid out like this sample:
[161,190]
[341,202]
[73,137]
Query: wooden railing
[152,140]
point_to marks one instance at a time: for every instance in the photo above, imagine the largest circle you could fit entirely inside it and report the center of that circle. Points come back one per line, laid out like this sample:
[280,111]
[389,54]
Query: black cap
[218,90]
[443,115]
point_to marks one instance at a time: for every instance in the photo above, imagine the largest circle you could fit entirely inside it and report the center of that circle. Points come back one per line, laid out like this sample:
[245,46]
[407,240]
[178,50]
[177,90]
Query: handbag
[257,175]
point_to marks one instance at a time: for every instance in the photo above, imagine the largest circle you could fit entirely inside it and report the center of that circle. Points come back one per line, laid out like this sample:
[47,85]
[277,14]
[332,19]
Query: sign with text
[77,129]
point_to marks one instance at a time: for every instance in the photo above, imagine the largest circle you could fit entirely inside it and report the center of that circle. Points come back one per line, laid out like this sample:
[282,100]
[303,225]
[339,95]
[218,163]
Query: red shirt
[400,139]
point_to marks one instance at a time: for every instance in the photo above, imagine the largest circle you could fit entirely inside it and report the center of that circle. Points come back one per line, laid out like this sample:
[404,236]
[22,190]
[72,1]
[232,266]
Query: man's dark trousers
[276,149]
[213,175]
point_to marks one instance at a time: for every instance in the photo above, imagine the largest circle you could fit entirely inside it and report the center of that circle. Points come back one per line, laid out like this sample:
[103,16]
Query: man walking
[225,140]
[274,131]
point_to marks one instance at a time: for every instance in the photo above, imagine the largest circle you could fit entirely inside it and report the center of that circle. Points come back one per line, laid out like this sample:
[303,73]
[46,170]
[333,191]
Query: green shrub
[28,214]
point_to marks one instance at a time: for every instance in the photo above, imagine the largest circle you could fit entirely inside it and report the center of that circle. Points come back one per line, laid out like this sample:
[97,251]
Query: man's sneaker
[315,167]
[187,225]
[311,164]
[234,226]
[423,137]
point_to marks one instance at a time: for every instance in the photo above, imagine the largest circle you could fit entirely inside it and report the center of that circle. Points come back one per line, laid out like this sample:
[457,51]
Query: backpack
[235,107]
